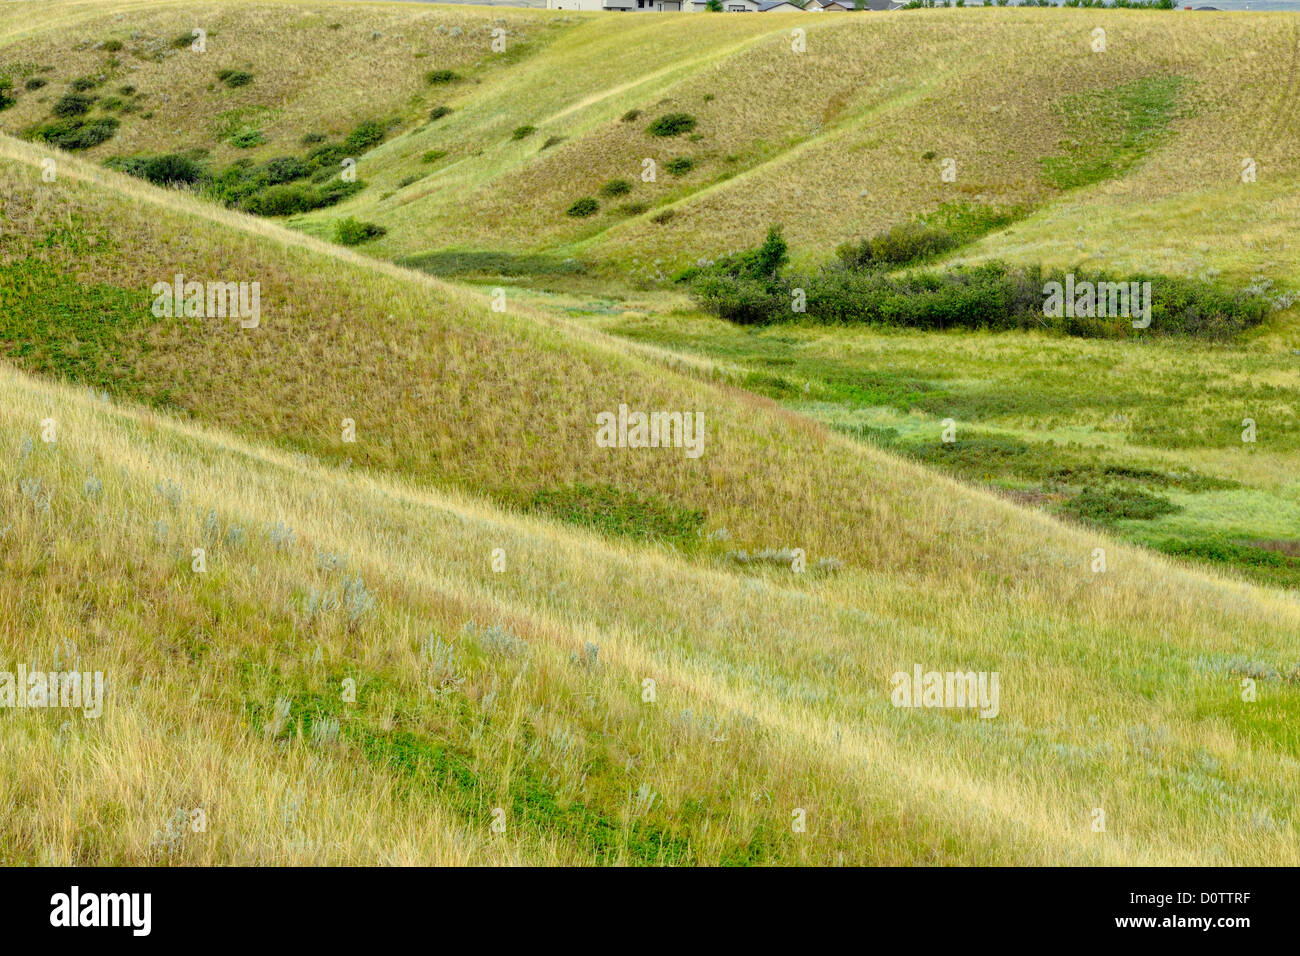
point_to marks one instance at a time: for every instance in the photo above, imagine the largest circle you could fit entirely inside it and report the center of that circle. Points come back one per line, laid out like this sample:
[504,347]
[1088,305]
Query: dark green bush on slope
[352,231]
[273,188]
[672,124]
[744,287]
[167,170]
[586,206]
[74,134]
[73,104]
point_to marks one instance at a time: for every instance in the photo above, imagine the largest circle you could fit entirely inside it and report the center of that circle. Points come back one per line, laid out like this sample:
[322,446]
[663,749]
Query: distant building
[843,6]
[621,6]
[701,6]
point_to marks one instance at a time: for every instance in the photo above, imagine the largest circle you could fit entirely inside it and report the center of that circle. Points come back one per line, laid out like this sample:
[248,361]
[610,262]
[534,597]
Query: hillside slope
[522,690]
[1146,138]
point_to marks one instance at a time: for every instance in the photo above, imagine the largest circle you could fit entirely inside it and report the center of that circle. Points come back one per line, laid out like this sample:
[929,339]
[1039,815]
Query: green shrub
[283,200]
[991,295]
[433,155]
[1106,506]
[680,165]
[630,116]
[438,112]
[247,139]
[744,287]
[586,206]
[902,244]
[74,134]
[73,104]
[663,216]
[310,139]
[293,198]
[522,132]
[616,187]
[672,124]
[83,83]
[182,40]
[235,78]
[6,100]
[440,77]
[327,156]
[352,231]
[551,141]
[367,134]
[35,83]
[284,169]
[169,170]
[112,103]
[633,208]
[111,46]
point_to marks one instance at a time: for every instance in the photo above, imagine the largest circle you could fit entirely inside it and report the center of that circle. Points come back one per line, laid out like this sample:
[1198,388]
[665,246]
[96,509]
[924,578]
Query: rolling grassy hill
[521,690]
[1146,139]
[520,696]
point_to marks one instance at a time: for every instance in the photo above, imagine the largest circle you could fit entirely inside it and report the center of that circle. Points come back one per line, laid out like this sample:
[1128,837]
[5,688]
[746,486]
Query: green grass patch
[487,263]
[622,512]
[51,324]
[1111,130]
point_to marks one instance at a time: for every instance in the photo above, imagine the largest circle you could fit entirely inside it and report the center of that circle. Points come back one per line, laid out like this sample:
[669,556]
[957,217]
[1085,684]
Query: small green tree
[713,6]
[770,256]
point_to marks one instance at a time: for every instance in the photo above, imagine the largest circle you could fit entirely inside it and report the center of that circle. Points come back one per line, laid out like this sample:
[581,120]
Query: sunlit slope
[851,136]
[845,138]
[439,386]
[521,696]
[315,68]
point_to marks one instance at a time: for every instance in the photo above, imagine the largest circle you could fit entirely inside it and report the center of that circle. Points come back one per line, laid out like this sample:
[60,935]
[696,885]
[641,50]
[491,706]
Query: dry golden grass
[832,142]
[1119,690]
[308,77]
[771,695]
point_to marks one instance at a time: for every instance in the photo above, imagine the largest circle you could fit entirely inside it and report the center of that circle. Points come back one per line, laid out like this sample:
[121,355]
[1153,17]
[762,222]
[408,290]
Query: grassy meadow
[366,588]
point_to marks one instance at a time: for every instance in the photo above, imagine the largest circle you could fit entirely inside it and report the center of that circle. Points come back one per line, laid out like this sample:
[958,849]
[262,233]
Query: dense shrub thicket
[283,186]
[73,134]
[751,288]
